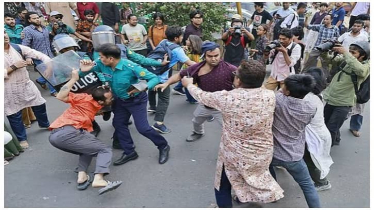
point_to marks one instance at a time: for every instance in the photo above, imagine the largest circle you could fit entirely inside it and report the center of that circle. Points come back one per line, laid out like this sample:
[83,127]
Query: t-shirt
[338,15]
[234,53]
[62,30]
[157,34]
[283,13]
[347,39]
[135,36]
[360,8]
[80,114]
[259,18]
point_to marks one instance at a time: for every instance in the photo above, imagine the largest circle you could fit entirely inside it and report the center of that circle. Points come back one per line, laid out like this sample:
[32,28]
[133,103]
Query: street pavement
[44,176]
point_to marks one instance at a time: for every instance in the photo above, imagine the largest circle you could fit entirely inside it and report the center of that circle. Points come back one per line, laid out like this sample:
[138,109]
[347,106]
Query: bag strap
[18,49]
[228,40]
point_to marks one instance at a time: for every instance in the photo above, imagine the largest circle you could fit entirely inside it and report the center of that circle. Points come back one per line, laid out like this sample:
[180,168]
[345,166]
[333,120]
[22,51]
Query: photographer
[56,26]
[236,39]
[340,94]
[326,31]
[285,54]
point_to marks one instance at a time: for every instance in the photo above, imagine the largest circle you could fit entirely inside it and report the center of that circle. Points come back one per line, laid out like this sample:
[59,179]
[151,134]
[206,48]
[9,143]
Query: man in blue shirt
[12,29]
[122,75]
[174,35]
[21,20]
[338,14]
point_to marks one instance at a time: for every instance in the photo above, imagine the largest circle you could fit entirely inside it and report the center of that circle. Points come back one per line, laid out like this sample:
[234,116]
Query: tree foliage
[177,13]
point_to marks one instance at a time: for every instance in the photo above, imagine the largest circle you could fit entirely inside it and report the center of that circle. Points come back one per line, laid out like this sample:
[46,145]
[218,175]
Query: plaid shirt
[291,116]
[37,40]
[86,26]
[324,32]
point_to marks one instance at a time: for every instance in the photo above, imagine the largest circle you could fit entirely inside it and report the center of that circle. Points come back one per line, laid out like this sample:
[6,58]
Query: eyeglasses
[57,17]
[198,17]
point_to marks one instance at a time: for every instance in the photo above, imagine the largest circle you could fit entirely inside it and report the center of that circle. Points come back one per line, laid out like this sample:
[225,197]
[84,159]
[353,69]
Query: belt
[208,107]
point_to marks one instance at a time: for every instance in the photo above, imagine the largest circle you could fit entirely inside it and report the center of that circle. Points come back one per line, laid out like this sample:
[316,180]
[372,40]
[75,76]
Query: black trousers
[334,119]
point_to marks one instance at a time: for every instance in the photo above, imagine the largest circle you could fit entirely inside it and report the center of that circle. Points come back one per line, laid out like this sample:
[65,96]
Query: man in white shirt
[134,35]
[292,20]
[283,12]
[354,35]
[284,58]
[358,8]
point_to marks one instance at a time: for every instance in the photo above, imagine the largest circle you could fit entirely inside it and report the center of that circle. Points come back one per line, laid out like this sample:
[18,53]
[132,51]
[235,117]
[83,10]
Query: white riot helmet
[62,41]
[103,34]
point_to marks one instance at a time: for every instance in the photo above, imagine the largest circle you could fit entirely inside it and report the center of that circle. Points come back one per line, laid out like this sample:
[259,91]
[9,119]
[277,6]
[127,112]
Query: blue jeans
[299,171]
[137,107]
[15,121]
[43,81]
[189,97]
[179,86]
[356,122]
[223,196]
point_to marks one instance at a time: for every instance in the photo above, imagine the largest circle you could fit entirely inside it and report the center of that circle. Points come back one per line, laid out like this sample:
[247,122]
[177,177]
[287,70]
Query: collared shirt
[123,76]
[324,33]
[88,5]
[14,33]
[347,39]
[291,116]
[360,8]
[80,114]
[38,40]
[191,29]
[279,68]
[85,26]
[219,78]
[283,13]
[288,21]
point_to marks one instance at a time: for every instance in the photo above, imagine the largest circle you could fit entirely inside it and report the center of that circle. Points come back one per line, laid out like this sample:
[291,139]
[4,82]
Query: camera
[237,30]
[328,45]
[274,44]
[61,24]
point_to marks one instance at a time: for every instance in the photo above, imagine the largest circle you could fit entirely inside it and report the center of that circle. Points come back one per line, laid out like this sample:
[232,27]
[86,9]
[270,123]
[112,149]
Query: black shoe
[193,137]
[106,116]
[164,155]
[126,158]
[129,122]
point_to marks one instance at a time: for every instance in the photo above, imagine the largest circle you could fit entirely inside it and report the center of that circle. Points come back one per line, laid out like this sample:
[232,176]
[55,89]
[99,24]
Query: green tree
[177,13]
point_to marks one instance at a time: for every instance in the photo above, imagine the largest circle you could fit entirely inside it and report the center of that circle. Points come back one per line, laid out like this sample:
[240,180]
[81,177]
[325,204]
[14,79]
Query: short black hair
[8,15]
[359,49]
[158,15]
[319,79]
[196,12]
[360,22]
[299,85]
[324,4]
[27,16]
[21,9]
[110,50]
[286,32]
[363,17]
[98,93]
[301,5]
[173,32]
[251,73]
[259,4]
[130,15]
[89,12]
[298,31]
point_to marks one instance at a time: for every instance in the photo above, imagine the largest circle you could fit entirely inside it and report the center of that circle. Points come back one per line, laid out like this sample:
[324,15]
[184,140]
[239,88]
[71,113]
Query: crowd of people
[319,71]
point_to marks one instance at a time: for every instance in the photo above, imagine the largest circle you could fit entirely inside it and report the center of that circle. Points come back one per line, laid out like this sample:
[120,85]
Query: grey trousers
[84,144]
[201,114]
[162,103]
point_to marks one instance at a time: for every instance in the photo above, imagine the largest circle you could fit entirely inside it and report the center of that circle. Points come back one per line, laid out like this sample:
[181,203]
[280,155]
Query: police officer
[121,74]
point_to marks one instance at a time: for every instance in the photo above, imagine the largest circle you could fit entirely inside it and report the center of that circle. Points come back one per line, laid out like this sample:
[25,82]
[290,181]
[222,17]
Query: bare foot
[99,183]
[24,144]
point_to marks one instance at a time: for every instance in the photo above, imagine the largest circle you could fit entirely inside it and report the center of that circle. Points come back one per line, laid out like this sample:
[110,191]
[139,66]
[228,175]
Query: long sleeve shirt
[125,74]
[14,33]
[324,32]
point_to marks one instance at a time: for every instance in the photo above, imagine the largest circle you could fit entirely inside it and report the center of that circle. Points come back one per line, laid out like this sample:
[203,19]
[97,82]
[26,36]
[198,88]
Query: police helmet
[62,41]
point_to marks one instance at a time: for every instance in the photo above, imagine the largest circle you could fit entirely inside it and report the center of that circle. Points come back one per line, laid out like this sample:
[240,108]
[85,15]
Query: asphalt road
[44,176]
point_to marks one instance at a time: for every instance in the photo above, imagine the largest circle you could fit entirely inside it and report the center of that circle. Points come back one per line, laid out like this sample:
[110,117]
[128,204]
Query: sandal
[111,186]
[84,185]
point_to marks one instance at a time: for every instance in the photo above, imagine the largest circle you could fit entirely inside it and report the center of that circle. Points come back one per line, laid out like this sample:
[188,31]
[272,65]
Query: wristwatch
[13,67]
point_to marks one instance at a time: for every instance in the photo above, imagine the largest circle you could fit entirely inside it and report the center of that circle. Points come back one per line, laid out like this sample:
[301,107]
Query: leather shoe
[126,158]
[193,137]
[106,115]
[164,155]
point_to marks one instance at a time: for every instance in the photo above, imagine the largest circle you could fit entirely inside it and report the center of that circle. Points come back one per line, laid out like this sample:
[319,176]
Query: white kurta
[19,91]
[322,158]
[246,147]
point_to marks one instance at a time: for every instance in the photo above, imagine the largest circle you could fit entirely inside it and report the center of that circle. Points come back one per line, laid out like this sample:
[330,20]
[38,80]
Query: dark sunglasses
[58,17]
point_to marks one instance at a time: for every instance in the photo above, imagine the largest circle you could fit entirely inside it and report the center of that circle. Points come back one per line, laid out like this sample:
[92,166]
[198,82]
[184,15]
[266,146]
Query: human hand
[186,81]
[75,74]
[20,64]
[86,65]
[339,49]
[165,61]
[281,49]
[160,86]
[22,35]
[29,61]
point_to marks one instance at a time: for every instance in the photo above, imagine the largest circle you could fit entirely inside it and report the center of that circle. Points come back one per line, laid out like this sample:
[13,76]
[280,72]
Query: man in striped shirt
[37,38]
[326,32]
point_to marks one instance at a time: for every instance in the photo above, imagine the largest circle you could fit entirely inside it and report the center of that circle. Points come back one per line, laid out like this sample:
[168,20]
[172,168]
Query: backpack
[277,26]
[18,49]
[242,41]
[289,52]
[362,94]
[158,54]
